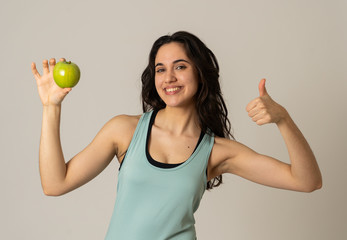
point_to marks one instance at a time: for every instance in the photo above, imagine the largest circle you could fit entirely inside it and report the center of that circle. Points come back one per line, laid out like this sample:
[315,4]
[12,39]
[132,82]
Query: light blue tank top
[155,203]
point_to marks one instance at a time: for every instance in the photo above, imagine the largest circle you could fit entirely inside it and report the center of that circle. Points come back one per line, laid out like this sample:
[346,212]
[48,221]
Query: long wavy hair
[210,106]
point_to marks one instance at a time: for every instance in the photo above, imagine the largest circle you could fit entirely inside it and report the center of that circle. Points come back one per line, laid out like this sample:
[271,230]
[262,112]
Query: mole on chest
[170,151]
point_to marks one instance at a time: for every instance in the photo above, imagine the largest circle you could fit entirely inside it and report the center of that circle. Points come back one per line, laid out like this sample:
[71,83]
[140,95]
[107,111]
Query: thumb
[262,89]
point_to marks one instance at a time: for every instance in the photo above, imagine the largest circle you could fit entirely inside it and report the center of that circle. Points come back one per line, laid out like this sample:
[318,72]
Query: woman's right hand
[50,93]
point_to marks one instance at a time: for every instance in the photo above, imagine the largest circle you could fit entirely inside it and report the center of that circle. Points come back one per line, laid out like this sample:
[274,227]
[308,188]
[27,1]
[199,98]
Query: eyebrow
[176,61]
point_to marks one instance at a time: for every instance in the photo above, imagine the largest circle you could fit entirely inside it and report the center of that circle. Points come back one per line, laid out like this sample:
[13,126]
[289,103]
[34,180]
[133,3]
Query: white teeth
[172,89]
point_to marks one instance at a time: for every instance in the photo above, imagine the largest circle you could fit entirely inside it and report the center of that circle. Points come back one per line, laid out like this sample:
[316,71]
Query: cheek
[194,82]
[156,83]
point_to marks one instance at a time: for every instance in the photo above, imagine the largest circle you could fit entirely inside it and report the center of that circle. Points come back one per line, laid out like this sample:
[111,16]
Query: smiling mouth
[171,90]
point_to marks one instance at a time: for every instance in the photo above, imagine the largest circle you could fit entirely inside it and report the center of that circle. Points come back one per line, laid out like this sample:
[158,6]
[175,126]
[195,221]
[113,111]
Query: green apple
[66,74]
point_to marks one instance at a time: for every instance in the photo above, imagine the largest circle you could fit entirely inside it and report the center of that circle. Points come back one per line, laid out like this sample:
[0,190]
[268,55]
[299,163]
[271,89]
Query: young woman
[179,147]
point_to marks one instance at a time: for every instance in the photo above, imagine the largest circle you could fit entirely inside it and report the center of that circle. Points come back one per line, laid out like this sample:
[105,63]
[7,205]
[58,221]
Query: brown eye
[180,67]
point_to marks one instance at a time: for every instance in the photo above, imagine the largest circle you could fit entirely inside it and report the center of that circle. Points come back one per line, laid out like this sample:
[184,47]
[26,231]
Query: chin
[178,101]
[174,104]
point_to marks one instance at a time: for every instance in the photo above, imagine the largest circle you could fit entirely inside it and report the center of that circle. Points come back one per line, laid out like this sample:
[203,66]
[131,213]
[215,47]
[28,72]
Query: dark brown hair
[210,106]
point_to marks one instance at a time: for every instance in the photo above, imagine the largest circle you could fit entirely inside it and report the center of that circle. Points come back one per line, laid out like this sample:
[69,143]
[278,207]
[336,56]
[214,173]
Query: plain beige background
[299,46]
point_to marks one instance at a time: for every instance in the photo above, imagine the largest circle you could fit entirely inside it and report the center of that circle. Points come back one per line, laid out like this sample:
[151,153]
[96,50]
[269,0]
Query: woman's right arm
[58,177]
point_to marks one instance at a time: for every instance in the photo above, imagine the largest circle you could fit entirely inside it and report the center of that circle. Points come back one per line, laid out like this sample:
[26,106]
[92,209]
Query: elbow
[52,192]
[309,189]
[319,185]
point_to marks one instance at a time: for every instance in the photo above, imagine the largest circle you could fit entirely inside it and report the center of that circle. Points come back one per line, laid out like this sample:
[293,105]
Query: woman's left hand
[263,109]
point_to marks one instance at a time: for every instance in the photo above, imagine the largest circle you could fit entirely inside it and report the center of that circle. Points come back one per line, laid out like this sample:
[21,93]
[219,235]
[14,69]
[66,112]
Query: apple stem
[69,62]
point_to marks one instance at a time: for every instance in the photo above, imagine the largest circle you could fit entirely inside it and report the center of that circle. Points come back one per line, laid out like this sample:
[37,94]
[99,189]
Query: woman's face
[176,78]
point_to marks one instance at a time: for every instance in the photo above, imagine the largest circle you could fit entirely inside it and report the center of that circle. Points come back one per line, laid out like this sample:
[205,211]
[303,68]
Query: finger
[253,112]
[262,121]
[62,60]
[261,87]
[252,104]
[45,66]
[51,64]
[67,90]
[259,115]
[34,71]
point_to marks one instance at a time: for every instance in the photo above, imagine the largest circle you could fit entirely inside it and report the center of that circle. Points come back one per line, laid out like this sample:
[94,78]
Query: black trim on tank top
[150,159]
[160,164]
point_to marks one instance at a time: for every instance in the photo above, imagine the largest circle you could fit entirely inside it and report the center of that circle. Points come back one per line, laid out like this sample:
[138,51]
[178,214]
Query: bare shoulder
[122,128]
[124,122]
[229,154]
[222,147]
[223,150]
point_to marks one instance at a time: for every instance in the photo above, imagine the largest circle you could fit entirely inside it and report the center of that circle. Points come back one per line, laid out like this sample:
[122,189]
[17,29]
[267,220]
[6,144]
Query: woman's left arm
[302,174]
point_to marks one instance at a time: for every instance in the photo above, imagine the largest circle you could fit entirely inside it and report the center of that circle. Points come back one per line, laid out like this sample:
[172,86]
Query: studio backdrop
[299,46]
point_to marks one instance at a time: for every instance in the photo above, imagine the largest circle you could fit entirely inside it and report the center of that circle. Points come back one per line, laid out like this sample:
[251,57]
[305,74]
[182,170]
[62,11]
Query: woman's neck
[179,121]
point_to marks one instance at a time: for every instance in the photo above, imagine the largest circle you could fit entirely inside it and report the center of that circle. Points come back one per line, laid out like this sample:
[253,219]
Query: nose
[170,76]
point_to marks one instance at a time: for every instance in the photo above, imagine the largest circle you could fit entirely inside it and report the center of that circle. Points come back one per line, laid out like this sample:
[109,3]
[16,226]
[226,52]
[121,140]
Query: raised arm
[302,174]
[58,177]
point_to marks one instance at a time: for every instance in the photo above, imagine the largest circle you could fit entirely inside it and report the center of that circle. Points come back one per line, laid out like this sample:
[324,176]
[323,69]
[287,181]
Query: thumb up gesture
[263,109]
